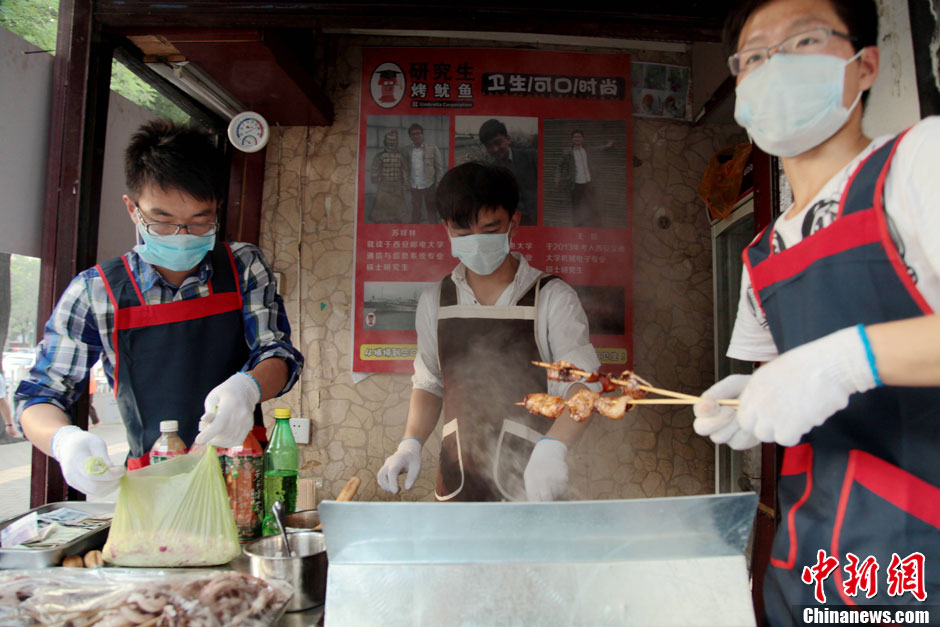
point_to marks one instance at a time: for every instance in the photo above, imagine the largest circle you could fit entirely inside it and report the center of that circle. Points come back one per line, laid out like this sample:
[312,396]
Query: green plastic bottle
[280,470]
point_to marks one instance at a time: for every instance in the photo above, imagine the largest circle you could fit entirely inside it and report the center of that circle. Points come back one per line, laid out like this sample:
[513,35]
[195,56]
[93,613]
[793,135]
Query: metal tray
[41,558]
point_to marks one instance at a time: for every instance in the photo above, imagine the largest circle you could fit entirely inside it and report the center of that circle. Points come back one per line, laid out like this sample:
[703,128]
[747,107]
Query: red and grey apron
[866,481]
[169,356]
[486,355]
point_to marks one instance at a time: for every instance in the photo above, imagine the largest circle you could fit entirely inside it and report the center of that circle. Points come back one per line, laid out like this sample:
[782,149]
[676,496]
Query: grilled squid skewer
[544,405]
[629,381]
[580,405]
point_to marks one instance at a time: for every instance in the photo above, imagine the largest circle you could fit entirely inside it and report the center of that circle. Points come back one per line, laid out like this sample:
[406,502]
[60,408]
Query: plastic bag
[721,183]
[174,513]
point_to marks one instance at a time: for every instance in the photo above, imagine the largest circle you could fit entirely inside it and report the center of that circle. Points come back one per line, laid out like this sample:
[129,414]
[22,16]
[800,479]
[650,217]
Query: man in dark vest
[479,329]
[187,328]
[838,298]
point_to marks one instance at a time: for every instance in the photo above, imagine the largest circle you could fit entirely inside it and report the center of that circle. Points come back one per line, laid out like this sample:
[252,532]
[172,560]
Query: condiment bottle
[280,470]
[243,469]
[169,444]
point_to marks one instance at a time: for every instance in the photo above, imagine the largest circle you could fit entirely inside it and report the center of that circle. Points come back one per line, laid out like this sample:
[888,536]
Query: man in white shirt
[574,172]
[426,167]
[478,331]
[838,298]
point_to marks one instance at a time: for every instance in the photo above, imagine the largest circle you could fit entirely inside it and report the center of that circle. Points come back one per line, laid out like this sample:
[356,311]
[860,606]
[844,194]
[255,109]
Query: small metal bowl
[305,571]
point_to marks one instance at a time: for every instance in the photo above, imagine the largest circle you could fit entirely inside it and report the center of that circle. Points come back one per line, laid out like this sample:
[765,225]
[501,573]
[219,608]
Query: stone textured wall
[308,235]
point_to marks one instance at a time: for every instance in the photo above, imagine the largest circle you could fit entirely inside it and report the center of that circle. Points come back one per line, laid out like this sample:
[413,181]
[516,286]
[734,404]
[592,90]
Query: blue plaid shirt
[80,328]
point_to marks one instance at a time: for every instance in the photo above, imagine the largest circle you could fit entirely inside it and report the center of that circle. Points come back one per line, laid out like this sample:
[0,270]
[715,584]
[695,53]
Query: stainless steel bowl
[305,571]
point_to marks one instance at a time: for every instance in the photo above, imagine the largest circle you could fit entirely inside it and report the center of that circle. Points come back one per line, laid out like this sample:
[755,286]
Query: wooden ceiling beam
[669,20]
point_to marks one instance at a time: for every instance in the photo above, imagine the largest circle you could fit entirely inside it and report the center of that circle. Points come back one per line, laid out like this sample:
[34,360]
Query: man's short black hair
[172,156]
[577,132]
[860,17]
[415,126]
[472,186]
[491,129]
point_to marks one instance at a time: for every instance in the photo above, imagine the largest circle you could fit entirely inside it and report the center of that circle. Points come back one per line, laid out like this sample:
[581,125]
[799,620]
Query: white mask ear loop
[858,98]
[855,102]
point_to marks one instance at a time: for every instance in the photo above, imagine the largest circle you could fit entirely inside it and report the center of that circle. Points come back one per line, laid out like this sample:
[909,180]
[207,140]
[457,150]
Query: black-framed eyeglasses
[204,229]
[812,41]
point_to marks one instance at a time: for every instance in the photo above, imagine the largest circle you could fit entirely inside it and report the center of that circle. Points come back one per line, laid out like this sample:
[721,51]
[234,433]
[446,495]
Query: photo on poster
[605,307]
[391,305]
[660,90]
[511,142]
[406,156]
[585,173]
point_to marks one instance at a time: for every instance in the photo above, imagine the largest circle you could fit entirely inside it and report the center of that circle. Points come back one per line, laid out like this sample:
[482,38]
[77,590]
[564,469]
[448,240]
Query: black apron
[866,481]
[169,356]
[485,355]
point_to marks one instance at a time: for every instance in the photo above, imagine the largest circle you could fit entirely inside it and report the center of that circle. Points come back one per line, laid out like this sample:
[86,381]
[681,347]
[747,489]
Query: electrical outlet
[300,427]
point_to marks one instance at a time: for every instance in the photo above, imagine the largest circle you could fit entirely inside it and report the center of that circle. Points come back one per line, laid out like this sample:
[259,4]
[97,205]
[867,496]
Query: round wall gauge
[248,131]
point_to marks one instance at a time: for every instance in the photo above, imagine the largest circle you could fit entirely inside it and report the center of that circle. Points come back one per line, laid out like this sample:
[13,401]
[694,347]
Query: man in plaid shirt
[188,328]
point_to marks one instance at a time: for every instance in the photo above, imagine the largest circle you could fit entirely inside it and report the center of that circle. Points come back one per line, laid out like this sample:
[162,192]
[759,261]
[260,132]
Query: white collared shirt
[419,178]
[562,326]
[582,174]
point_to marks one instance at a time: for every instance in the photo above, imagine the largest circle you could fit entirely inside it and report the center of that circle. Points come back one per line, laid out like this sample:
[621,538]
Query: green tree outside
[36,21]
[24,299]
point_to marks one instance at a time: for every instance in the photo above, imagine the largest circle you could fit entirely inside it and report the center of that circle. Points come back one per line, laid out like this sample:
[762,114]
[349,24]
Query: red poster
[566,119]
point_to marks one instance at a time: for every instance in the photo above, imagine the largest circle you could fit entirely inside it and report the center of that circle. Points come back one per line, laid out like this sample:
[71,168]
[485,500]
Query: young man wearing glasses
[188,328]
[838,298]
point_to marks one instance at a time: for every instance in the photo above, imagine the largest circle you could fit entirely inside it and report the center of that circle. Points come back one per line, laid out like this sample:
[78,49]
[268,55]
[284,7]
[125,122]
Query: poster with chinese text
[564,118]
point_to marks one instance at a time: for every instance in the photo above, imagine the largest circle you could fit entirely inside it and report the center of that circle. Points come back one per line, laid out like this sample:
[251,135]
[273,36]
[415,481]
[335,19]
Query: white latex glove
[230,408]
[803,387]
[74,449]
[719,422]
[406,458]
[546,474]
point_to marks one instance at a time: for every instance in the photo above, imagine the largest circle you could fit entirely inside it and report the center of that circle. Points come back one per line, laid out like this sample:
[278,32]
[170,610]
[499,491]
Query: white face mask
[793,102]
[482,253]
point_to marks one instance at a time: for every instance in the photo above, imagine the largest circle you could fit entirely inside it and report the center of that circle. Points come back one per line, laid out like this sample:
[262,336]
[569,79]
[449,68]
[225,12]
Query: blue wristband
[869,354]
[257,385]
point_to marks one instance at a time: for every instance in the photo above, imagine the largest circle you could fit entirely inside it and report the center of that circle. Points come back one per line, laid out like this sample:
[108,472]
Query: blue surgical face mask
[178,252]
[482,253]
[793,102]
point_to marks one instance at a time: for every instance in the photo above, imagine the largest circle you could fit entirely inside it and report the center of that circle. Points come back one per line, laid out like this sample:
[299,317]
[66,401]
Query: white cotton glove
[73,448]
[230,408]
[719,422]
[406,459]
[803,387]
[546,474]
